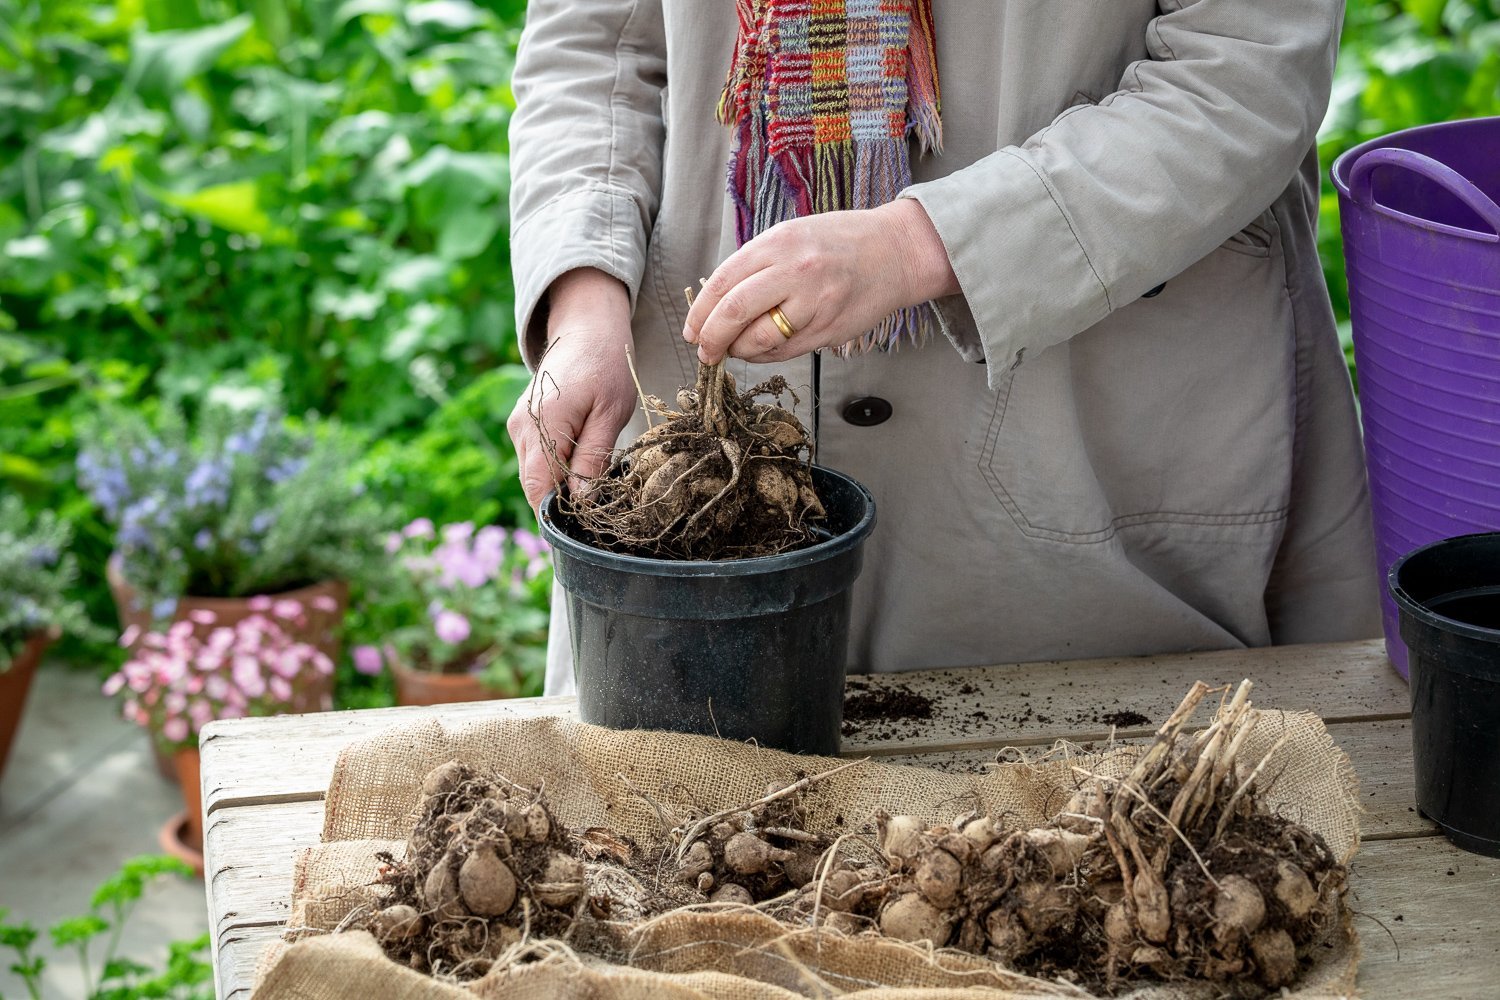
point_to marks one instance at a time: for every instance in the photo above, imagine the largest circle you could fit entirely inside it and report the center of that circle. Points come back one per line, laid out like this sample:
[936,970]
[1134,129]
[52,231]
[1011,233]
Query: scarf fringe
[807,178]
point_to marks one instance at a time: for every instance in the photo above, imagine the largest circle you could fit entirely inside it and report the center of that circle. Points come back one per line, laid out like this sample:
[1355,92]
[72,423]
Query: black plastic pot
[1448,596]
[746,649]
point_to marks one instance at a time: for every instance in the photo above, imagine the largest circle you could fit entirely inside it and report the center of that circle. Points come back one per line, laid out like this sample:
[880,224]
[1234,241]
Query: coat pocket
[1175,409]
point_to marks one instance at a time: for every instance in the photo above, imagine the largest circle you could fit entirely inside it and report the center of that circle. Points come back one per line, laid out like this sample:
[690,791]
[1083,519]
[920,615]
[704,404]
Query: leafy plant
[457,600]
[200,197]
[1403,63]
[186,976]
[37,569]
[235,503]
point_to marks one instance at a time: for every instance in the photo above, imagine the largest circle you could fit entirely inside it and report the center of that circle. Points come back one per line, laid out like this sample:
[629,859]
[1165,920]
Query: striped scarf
[822,96]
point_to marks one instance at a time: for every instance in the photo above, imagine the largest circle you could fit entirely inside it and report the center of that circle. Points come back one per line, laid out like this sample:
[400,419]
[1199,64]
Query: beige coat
[1075,470]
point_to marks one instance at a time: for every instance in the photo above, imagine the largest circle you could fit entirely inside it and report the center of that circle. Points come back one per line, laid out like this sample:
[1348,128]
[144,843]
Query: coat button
[867,411]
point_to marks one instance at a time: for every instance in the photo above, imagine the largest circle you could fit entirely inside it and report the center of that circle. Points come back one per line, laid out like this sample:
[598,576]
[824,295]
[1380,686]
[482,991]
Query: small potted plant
[233,508]
[199,669]
[461,614]
[36,570]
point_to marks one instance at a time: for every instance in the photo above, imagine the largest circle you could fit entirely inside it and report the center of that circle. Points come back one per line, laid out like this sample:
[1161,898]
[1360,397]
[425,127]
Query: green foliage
[1403,63]
[186,975]
[460,465]
[37,569]
[305,196]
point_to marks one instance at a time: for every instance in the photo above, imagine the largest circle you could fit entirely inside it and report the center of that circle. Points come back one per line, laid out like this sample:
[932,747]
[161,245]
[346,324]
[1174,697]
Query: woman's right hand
[581,395]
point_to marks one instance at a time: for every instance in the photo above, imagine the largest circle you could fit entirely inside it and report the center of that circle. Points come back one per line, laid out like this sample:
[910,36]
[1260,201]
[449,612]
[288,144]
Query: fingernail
[690,335]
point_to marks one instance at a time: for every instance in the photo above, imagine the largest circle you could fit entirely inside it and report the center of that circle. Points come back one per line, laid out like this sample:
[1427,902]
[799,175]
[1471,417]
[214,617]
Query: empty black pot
[1448,597]
[744,649]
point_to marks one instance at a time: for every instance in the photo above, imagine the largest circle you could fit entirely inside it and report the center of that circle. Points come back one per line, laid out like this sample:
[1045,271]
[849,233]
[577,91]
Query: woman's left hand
[834,277]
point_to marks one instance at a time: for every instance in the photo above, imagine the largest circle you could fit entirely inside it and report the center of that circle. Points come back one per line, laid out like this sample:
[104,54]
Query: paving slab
[79,796]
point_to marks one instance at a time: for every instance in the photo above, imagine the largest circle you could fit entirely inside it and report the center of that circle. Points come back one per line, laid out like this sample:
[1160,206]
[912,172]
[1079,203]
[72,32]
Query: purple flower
[420,528]
[460,532]
[203,540]
[164,609]
[262,522]
[207,484]
[367,660]
[458,565]
[285,469]
[42,555]
[531,544]
[451,626]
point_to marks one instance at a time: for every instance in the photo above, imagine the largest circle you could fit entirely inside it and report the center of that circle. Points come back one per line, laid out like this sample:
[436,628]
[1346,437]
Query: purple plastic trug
[1421,230]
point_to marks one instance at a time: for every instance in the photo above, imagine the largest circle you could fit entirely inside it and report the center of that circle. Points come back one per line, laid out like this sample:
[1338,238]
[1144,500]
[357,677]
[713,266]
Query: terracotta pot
[14,683]
[422,687]
[323,630]
[182,835]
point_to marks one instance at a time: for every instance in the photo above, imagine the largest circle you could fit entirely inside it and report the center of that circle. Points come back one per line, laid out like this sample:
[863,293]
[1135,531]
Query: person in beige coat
[1130,431]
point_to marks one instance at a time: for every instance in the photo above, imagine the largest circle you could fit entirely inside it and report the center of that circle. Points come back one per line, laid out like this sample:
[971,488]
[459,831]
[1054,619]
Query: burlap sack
[593,777]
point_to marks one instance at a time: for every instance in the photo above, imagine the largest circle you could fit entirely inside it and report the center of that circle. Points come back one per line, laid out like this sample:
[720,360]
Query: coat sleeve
[1110,200]
[585,146]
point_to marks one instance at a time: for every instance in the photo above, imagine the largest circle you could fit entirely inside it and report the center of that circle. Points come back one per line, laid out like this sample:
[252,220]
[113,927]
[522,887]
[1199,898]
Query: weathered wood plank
[1426,918]
[286,759]
[291,758]
[247,860]
[239,957]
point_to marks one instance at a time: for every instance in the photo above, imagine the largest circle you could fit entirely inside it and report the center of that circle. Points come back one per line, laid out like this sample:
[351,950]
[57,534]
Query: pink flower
[321,663]
[287,608]
[260,603]
[130,636]
[216,687]
[325,604]
[288,663]
[392,543]
[367,660]
[531,544]
[175,729]
[201,712]
[281,689]
[451,626]
[203,616]
[247,676]
[420,528]
[113,685]
[457,533]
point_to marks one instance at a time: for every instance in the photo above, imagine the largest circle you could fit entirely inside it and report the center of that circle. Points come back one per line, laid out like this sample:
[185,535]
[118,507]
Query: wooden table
[1428,914]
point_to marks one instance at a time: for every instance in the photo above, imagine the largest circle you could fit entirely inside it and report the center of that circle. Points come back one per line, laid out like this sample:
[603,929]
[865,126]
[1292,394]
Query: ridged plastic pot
[745,649]
[1421,229]
[1448,594]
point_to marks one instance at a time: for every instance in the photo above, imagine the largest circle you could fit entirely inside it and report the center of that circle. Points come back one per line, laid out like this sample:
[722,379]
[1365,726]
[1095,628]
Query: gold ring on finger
[782,323]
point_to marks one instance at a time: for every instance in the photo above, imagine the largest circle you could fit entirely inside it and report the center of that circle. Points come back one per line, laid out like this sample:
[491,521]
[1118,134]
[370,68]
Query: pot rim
[1419,611]
[755,565]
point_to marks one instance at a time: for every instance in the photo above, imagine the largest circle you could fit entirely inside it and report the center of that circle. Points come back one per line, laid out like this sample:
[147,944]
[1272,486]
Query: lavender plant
[36,571]
[232,504]
[458,600]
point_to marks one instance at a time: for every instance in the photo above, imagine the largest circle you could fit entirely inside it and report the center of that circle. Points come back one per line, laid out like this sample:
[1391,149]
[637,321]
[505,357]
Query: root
[725,475]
